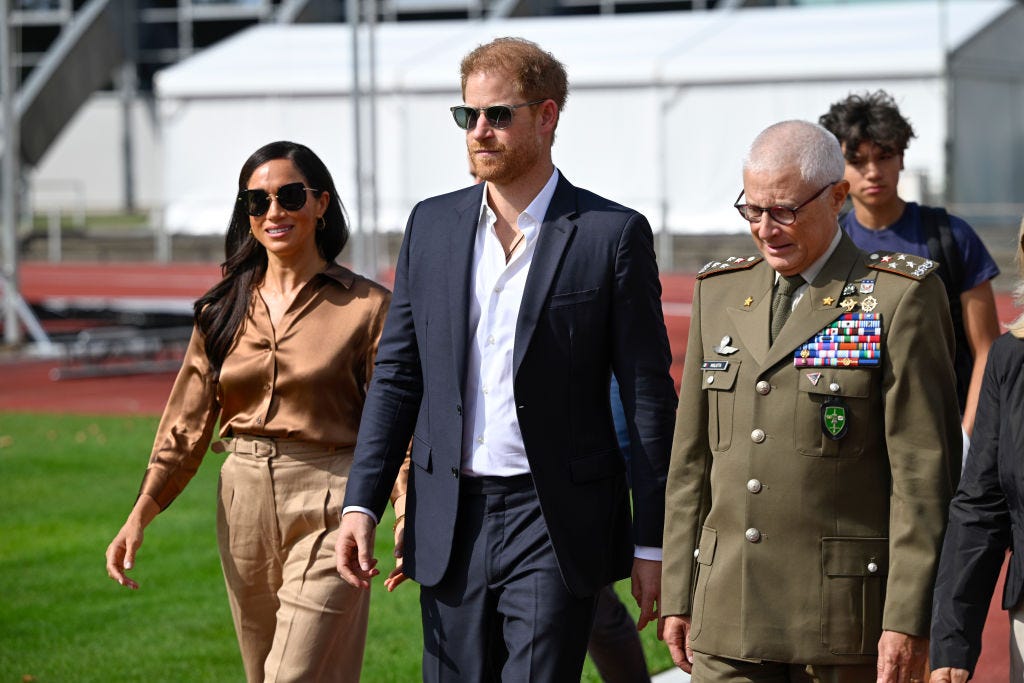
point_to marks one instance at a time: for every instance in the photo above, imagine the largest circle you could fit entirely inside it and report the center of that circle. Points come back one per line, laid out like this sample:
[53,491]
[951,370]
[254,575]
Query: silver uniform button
[752,535]
[696,552]
[834,387]
[872,568]
[754,486]
[710,379]
[762,387]
[757,436]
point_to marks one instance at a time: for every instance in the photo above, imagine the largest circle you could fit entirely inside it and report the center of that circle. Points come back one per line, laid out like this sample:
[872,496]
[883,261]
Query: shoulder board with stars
[727,265]
[907,265]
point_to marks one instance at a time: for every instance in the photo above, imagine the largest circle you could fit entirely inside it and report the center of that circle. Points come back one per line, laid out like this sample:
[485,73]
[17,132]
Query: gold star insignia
[827,301]
[747,302]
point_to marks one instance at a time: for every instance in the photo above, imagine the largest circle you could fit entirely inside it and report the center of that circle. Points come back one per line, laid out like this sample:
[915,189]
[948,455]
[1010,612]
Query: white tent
[660,111]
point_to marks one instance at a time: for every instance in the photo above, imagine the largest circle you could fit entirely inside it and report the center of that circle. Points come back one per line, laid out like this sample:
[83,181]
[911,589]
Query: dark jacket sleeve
[978,533]
[641,359]
[392,402]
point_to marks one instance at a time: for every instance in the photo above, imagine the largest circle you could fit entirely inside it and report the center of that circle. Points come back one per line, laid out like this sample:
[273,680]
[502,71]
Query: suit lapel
[555,233]
[820,303]
[461,240]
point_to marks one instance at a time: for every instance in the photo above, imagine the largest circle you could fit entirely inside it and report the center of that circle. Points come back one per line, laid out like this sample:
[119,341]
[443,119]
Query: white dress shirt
[491,441]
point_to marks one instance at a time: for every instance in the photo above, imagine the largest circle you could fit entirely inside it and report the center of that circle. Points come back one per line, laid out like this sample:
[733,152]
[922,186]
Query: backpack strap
[942,248]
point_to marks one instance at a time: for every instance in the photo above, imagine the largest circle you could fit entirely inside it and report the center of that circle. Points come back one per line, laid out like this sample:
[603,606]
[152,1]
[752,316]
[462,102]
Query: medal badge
[835,418]
[868,304]
[852,340]
[848,304]
[866,286]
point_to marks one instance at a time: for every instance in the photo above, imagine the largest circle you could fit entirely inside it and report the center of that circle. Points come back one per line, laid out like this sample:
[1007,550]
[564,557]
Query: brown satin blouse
[305,381]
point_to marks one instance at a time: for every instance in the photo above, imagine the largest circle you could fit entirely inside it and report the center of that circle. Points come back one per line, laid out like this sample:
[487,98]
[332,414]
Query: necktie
[782,304]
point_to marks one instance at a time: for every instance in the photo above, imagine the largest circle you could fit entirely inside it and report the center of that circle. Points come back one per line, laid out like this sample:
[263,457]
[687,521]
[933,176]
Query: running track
[26,385]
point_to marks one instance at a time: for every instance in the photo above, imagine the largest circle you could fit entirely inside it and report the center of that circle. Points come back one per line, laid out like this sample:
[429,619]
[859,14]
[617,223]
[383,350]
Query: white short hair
[810,147]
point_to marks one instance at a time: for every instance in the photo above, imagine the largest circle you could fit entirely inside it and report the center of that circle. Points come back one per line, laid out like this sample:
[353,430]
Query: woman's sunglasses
[290,197]
[498,116]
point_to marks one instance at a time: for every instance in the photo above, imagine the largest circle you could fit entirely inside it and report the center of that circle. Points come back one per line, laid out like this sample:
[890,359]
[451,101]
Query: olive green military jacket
[806,503]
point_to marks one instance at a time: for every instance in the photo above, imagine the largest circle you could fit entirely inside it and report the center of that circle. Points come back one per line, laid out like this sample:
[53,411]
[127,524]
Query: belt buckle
[264,447]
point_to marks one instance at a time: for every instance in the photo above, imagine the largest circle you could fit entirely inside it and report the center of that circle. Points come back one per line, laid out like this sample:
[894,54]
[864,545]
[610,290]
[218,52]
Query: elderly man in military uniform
[816,446]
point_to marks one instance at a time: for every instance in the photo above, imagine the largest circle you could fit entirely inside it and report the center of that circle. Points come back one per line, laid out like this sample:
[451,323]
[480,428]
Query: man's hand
[353,551]
[949,675]
[901,658]
[646,589]
[676,632]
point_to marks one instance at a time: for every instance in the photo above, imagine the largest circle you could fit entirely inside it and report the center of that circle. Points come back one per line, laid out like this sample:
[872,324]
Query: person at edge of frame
[985,517]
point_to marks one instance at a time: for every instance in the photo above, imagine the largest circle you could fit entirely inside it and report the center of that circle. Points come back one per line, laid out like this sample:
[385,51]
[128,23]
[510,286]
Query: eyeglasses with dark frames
[290,197]
[498,115]
[783,215]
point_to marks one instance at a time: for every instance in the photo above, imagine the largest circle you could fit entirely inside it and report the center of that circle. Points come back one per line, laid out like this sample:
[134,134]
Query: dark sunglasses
[498,115]
[290,197]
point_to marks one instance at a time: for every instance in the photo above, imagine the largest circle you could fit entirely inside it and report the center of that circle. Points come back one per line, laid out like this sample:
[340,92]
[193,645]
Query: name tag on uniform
[720,365]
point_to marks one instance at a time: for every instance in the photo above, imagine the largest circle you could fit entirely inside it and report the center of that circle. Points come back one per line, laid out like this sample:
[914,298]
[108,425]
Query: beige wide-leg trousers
[277,521]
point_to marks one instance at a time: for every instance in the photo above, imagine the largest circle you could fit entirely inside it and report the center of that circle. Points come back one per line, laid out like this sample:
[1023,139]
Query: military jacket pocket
[836,400]
[718,379]
[854,573]
[705,558]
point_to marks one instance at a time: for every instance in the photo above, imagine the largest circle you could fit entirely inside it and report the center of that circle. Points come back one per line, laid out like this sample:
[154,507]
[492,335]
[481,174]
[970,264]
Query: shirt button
[752,535]
[497,289]
[872,568]
[754,486]
[757,436]
[834,387]
[480,440]
[762,387]
[490,340]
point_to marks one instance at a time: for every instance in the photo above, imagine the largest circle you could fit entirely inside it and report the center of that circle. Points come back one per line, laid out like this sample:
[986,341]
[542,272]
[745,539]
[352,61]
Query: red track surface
[26,385]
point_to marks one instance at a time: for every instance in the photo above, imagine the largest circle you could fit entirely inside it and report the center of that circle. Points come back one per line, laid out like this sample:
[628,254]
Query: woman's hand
[397,576]
[121,551]
[948,675]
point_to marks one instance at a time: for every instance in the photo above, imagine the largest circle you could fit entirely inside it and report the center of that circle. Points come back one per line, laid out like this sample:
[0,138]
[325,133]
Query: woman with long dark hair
[281,354]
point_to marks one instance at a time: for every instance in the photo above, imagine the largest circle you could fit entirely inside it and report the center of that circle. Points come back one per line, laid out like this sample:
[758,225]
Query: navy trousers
[502,611]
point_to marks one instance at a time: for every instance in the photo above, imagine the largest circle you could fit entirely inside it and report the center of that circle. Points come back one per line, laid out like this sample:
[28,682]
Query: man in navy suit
[515,299]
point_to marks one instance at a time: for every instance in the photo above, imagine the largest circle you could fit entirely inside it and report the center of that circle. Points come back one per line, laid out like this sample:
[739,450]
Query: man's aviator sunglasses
[783,215]
[290,197]
[498,115]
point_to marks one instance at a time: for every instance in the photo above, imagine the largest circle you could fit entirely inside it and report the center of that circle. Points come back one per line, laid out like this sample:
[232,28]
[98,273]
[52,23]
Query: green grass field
[66,484]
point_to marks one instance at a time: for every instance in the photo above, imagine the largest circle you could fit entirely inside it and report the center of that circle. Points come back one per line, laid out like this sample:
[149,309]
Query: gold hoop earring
[321,223]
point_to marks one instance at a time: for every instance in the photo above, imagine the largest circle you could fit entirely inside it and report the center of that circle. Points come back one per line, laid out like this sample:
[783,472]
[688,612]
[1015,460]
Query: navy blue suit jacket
[592,304]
